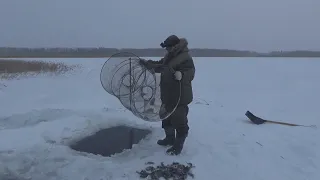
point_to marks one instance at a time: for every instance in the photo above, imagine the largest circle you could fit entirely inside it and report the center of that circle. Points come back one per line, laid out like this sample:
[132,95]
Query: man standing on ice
[176,67]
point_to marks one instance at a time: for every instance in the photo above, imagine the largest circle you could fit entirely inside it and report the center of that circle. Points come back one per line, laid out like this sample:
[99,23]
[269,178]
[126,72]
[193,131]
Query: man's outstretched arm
[156,62]
[155,65]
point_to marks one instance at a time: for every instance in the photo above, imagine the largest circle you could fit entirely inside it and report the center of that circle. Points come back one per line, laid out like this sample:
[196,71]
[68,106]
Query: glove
[178,75]
[144,63]
[147,64]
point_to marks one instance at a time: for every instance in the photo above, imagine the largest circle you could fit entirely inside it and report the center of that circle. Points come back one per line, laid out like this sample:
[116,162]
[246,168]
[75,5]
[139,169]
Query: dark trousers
[178,120]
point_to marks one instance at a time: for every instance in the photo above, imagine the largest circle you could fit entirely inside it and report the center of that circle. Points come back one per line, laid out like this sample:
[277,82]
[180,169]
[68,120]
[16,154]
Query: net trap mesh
[136,87]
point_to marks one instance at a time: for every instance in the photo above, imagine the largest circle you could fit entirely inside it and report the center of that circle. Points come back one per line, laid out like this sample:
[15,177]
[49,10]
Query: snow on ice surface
[40,116]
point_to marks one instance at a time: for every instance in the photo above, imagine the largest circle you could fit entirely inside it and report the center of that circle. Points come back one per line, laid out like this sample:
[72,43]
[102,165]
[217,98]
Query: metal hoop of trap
[137,88]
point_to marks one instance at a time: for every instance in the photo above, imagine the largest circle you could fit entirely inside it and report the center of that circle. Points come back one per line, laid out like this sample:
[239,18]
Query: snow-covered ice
[40,116]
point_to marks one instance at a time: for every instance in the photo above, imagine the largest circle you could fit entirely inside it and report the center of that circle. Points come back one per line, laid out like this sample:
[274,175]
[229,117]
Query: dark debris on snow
[175,171]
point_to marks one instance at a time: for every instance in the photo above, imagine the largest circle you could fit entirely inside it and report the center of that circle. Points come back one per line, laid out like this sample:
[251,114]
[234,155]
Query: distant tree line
[10,52]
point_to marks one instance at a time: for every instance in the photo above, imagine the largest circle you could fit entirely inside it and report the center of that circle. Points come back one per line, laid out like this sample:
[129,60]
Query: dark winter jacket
[177,59]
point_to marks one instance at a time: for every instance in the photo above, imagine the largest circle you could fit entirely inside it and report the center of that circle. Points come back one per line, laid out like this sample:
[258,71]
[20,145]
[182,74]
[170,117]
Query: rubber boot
[178,144]
[169,139]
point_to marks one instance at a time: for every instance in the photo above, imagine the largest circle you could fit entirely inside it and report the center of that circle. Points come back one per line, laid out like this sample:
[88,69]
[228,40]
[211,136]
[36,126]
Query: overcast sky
[260,25]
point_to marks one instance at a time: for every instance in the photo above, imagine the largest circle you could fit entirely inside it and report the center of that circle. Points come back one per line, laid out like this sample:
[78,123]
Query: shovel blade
[254,119]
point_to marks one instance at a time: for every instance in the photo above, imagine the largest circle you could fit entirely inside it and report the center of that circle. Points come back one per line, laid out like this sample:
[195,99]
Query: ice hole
[110,141]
